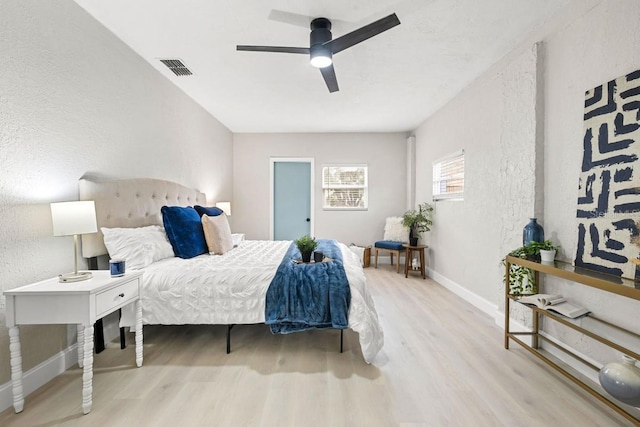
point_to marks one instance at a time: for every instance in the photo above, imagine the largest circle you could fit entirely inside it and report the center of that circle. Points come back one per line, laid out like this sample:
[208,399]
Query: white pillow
[395,231]
[139,247]
[217,233]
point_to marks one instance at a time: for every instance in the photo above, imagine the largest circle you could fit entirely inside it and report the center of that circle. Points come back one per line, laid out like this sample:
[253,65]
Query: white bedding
[231,289]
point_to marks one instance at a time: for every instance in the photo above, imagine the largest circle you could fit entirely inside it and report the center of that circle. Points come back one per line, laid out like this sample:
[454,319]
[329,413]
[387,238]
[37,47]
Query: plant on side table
[306,245]
[546,249]
[522,279]
[418,220]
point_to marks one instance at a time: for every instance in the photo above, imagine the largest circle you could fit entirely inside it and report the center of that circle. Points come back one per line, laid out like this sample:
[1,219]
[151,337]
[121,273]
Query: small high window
[448,177]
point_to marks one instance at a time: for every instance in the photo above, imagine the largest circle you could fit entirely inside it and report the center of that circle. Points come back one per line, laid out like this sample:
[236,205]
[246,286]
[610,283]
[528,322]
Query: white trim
[449,197]
[365,187]
[516,326]
[272,162]
[448,156]
[41,374]
[475,300]
[437,195]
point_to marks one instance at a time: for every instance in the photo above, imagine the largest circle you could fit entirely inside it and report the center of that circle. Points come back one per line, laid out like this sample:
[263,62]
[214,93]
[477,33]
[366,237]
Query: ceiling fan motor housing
[320,34]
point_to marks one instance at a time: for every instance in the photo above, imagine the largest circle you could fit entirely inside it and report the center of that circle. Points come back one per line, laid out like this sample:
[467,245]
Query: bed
[208,289]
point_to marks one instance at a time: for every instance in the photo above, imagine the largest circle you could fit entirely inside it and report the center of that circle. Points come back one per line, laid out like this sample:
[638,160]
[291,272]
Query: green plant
[522,279]
[418,220]
[547,245]
[306,244]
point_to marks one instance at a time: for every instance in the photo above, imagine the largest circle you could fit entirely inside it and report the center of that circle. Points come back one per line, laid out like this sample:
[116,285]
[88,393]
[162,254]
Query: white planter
[547,256]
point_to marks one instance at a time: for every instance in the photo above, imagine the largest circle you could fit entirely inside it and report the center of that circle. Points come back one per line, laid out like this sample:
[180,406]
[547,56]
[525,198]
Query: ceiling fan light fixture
[322,45]
[320,56]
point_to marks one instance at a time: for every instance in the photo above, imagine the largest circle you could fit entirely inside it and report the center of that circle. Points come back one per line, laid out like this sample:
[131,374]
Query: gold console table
[594,279]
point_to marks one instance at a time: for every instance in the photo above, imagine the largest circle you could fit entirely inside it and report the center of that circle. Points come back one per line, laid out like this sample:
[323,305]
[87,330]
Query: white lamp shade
[225,206]
[71,218]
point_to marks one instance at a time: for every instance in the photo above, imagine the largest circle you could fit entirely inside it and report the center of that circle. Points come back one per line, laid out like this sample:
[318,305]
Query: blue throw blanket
[309,296]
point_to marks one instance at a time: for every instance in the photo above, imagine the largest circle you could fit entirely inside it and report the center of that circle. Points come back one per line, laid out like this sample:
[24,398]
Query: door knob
[308,219]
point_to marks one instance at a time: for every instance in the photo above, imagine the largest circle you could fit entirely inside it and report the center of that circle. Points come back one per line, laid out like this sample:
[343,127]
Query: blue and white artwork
[609,190]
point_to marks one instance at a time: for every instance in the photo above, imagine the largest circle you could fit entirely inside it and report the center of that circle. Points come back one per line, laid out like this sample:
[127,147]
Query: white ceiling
[389,83]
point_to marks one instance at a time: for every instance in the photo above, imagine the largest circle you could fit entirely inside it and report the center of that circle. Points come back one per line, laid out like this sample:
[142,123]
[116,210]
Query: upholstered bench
[392,247]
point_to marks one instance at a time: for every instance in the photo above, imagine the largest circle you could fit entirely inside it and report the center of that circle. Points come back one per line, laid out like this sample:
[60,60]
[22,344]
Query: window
[344,187]
[448,177]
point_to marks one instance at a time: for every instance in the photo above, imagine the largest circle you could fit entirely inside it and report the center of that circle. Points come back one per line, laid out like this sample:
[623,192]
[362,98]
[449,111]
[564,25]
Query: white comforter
[231,289]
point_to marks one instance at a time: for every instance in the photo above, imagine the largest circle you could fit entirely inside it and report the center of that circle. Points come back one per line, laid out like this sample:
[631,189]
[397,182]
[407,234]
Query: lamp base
[75,277]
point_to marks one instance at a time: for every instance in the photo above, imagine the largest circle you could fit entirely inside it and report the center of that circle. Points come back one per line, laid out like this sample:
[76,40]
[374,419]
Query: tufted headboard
[131,203]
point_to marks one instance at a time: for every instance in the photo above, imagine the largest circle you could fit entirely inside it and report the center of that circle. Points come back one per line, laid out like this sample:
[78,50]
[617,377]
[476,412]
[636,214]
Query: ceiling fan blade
[363,33]
[329,76]
[277,49]
[290,18]
[303,21]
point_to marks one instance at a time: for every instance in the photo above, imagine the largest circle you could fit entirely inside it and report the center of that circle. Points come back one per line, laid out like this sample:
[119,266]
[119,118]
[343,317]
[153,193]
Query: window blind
[344,187]
[448,177]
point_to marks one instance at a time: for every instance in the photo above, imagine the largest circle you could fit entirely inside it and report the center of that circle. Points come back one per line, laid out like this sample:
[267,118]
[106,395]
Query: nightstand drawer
[107,301]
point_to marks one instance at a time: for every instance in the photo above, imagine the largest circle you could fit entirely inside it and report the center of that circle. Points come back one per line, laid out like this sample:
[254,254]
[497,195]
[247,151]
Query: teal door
[291,200]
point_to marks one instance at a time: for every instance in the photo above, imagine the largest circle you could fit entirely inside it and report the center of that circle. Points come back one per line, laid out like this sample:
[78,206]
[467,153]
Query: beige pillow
[217,233]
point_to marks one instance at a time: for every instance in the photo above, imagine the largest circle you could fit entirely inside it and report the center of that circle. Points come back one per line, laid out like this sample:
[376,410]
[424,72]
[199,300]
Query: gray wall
[75,100]
[385,155]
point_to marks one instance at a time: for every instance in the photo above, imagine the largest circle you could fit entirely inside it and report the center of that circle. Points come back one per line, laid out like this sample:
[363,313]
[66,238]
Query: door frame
[272,162]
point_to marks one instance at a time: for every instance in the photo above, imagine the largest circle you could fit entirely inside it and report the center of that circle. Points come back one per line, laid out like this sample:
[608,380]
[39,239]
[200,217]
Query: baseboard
[464,293]
[386,259]
[516,326]
[41,374]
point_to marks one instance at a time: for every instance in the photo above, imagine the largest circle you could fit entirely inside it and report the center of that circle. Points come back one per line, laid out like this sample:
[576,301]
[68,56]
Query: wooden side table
[407,258]
[82,303]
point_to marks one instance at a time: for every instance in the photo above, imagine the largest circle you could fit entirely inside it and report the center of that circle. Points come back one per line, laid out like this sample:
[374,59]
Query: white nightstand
[82,303]
[237,238]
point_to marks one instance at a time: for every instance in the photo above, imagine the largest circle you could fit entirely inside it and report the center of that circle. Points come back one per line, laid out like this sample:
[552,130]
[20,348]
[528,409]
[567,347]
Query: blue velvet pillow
[184,230]
[203,210]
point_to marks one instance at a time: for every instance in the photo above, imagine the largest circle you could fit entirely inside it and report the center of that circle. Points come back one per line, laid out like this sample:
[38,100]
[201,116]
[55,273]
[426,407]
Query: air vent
[176,65]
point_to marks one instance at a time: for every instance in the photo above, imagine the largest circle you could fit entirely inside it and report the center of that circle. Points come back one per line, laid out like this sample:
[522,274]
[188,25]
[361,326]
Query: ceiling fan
[322,47]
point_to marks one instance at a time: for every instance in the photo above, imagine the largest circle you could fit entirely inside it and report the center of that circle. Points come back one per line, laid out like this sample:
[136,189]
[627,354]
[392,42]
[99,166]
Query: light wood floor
[443,364]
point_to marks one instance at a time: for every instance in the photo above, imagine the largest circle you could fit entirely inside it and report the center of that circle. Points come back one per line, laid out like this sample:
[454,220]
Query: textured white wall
[385,154]
[521,126]
[75,100]
[597,47]
[494,122]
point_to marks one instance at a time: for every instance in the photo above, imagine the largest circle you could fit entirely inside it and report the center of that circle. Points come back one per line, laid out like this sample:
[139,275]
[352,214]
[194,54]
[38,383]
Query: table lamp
[225,207]
[72,219]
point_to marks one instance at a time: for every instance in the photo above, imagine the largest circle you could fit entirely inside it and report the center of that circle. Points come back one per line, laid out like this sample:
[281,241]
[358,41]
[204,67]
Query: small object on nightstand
[117,267]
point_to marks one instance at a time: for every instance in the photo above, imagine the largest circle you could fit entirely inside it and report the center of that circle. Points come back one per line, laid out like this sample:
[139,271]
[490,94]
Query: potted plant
[521,279]
[418,221]
[306,245]
[546,249]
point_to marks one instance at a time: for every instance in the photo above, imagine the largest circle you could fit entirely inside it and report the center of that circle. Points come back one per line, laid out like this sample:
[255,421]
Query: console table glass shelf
[591,326]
